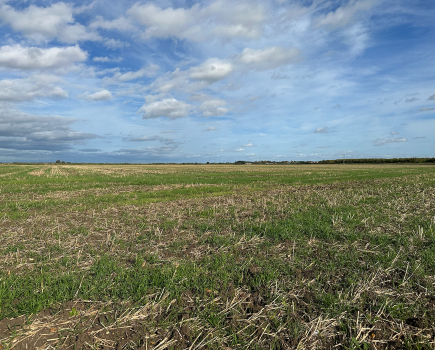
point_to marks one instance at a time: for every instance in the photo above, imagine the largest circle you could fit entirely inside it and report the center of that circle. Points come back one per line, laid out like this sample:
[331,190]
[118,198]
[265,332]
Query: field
[217,257]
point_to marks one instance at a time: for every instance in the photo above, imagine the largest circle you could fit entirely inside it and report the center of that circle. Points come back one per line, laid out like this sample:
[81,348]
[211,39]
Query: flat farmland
[217,256]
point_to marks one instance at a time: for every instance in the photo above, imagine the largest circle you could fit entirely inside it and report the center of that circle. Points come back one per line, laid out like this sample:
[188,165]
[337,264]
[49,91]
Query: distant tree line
[378,160]
[271,162]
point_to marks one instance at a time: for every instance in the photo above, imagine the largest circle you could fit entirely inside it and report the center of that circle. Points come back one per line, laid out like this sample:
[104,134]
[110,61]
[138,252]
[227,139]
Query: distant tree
[58,161]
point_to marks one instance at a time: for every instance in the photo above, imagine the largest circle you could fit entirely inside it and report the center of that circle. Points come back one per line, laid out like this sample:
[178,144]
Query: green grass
[266,254]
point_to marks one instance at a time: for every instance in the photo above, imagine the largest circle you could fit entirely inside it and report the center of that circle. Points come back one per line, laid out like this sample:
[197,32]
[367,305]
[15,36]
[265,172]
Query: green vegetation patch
[234,259]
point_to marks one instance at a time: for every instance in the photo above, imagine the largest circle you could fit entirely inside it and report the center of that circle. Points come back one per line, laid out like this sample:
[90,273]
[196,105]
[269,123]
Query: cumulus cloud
[222,18]
[168,107]
[268,58]
[431,98]
[29,89]
[381,142]
[114,44]
[211,70]
[42,23]
[164,22]
[238,19]
[103,95]
[194,79]
[323,130]
[107,59]
[248,145]
[30,58]
[214,70]
[213,108]
[148,71]
[211,128]
[23,131]
[394,133]
[120,23]
[239,149]
[344,14]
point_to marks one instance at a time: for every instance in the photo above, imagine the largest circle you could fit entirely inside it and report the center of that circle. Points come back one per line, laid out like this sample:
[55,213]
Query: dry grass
[371,286]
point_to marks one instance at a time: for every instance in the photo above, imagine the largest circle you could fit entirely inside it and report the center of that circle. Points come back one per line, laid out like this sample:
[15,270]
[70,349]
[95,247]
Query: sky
[216,81]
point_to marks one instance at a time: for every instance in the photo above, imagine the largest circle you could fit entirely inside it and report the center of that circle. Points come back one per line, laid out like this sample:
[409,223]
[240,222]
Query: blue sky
[219,80]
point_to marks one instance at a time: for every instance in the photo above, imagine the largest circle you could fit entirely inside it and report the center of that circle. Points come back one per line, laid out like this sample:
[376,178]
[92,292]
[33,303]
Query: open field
[217,257]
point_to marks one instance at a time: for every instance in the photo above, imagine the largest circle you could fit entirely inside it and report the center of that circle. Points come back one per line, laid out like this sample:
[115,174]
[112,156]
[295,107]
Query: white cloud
[214,70]
[28,89]
[103,95]
[42,23]
[169,108]
[322,130]
[357,38]
[164,23]
[211,70]
[269,58]
[239,149]
[381,142]
[222,18]
[344,14]
[394,133]
[213,108]
[238,19]
[28,58]
[145,71]
[114,44]
[120,23]
[107,59]
[194,79]
[211,128]
[248,145]
[236,30]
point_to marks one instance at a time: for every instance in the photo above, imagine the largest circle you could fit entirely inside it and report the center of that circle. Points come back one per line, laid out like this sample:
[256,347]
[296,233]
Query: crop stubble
[273,263]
